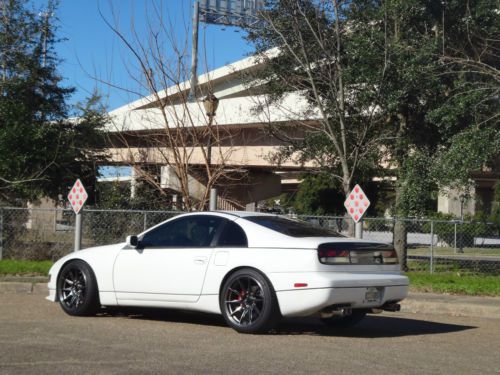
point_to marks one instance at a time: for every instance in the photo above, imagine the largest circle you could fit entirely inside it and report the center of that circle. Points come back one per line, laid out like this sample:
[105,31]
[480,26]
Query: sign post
[77,197]
[356,205]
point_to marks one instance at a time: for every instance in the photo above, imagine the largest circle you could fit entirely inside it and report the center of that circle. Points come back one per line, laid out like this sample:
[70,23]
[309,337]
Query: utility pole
[194,51]
[45,30]
[227,13]
[5,21]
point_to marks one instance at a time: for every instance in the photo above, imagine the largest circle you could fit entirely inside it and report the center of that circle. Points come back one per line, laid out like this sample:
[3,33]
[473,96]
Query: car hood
[92,250]
[85,254]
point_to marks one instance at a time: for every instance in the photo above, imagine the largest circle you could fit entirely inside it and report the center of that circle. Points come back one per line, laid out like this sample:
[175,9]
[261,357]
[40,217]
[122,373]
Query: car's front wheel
[77,289]
[248,302]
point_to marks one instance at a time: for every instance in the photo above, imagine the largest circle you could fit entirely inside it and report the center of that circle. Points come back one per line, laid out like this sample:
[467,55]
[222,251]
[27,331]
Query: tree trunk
[401,242]
[400,233]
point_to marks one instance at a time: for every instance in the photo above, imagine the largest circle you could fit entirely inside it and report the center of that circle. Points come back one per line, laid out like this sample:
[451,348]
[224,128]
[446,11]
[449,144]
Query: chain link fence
[431,245]
[40,234]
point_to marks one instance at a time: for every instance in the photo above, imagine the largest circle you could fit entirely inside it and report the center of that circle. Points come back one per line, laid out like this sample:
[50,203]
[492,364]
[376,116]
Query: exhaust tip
[394,307]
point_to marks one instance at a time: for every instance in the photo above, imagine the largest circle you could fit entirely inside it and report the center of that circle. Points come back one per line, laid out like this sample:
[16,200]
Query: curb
[421,303]
[13,287]
[24,285]
[454,305]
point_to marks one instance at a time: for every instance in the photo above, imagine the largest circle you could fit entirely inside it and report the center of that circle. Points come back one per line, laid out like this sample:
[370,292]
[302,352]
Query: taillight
[390,257]
[357,253]
[330,256]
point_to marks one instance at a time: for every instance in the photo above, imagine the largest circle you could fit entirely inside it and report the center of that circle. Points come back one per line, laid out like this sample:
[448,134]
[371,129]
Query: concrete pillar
[133,182]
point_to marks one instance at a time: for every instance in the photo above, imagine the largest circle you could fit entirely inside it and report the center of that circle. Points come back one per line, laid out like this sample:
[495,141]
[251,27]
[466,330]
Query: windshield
[294,228]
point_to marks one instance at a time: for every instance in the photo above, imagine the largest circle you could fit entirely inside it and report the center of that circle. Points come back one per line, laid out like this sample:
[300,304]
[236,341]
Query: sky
[92,50]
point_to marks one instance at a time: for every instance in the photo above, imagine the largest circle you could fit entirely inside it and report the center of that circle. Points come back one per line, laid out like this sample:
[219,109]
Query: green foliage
[415,185]
[116,195]
[319,195]
[470,150]
[41,151]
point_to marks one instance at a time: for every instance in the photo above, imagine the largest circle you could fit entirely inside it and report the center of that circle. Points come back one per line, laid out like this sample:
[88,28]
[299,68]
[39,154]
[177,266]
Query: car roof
[232,215]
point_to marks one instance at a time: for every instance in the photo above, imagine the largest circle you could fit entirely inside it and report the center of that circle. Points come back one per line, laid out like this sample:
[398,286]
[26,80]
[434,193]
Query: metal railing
[431,245]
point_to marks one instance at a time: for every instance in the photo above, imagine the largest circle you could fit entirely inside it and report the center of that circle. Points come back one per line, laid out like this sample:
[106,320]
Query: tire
[77,289]
[347,321]
[248,302]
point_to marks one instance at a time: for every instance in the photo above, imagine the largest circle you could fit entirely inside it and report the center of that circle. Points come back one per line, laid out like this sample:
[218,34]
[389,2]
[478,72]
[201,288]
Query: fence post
[393,226]
[461,244]
[1,233]
[432,248]
[455,237]
[358,230]
[145,220]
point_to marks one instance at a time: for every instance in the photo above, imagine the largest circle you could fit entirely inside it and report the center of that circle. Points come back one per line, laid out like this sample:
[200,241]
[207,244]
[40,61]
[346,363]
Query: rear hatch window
[293,228]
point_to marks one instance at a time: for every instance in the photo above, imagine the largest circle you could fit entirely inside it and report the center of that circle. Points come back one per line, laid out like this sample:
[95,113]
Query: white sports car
[252,268]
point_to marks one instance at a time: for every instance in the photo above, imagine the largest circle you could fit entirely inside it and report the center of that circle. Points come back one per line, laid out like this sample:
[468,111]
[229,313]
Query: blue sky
[93,50]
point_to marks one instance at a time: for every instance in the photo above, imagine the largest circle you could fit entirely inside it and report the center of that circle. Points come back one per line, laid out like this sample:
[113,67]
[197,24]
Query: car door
[170,262]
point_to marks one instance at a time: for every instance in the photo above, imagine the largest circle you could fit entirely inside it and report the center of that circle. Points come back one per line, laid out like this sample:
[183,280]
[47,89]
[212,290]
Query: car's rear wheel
[77,289]
[248,302]
[345,321]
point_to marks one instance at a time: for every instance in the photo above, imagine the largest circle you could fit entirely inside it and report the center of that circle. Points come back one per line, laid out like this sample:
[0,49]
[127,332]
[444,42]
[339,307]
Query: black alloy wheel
[77,289]
[248,302]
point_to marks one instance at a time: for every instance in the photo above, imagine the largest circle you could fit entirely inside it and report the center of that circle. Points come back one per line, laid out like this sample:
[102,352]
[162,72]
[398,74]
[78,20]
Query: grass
[468,251]
[455,283]
[25,267]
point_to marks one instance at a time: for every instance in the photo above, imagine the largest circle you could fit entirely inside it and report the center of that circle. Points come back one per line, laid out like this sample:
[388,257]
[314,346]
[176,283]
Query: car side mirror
[132,241]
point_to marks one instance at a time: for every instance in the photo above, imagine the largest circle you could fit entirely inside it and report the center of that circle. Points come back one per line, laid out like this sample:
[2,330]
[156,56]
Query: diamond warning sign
[77,196]
[356,203]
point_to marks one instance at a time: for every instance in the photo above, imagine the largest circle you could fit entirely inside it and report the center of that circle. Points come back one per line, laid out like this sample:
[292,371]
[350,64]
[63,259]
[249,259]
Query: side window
[232,236]
[191,231]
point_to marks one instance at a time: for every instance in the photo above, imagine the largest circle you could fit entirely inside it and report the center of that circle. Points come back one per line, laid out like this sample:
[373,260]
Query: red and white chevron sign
[77,196]
[357,203]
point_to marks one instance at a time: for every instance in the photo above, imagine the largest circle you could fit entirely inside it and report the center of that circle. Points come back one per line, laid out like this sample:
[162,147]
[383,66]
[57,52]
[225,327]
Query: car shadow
[166,315]
[372,326]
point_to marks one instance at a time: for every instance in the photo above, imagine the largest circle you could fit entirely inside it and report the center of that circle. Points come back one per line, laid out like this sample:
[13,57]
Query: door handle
[200,260]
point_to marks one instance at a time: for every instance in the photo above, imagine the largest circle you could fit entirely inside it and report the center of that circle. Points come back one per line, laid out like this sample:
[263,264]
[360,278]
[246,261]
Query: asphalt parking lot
[37,337]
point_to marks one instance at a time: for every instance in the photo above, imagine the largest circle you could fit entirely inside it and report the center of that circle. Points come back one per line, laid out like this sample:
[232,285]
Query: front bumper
[52,295]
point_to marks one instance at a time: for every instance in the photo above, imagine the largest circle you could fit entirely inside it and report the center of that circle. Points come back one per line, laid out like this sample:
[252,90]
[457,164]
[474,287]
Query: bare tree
[175,131]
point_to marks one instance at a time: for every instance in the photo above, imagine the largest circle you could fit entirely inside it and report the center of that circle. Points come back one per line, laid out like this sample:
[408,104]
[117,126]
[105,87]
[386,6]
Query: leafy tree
[414,79]
[442,115]
[40,149]
[318,195]
[320,53]
[114,195]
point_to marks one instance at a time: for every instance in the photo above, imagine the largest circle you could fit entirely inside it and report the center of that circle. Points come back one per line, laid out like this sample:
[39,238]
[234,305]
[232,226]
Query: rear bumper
[326,289]
[310,301]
